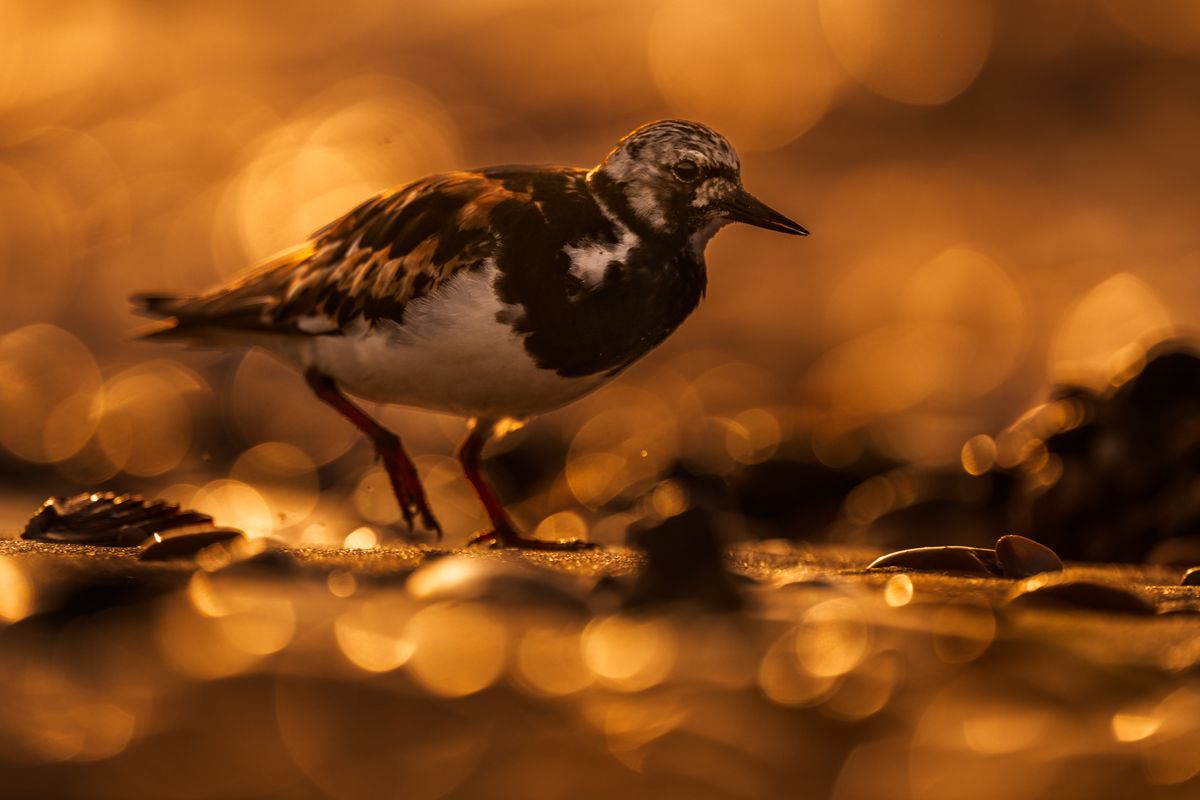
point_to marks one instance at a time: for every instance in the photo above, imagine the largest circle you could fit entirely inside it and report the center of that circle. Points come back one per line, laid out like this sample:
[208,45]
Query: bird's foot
[510,537]
[406,485]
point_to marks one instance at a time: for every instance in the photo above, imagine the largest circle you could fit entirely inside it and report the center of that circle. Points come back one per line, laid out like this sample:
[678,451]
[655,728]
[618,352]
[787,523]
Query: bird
[495,294]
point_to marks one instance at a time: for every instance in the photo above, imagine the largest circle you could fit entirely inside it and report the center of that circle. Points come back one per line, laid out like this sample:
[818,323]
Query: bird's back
[534,226]
[366,266]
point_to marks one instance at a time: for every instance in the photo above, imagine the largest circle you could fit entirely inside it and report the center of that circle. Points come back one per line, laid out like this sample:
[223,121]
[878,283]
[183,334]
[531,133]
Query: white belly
[450,355]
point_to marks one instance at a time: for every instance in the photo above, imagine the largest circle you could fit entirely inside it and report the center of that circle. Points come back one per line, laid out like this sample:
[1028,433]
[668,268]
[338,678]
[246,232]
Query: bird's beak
[745,207]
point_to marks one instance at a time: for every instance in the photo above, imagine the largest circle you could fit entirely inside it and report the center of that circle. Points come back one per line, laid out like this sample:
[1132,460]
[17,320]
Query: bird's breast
[596,306]
[452,353]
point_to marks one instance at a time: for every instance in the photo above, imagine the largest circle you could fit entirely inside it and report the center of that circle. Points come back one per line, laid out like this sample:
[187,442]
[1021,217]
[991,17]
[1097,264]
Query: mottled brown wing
[394,248]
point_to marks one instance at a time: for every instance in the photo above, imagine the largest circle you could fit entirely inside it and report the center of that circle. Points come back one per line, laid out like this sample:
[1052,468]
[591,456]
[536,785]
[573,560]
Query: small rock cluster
[1042,584]
[1129,465]
[1013,557]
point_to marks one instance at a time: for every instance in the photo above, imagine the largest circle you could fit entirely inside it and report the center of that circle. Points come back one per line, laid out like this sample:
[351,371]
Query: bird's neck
[653,226]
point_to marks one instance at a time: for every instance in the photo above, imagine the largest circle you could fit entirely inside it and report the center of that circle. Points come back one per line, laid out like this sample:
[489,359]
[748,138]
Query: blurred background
[1002,196]
[989,331]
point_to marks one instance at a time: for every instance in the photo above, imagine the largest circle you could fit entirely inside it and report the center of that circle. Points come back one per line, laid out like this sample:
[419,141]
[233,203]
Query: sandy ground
[418,672]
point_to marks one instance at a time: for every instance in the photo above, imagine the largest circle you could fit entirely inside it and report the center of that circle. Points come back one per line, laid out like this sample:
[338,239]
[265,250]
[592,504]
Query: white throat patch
[590,260]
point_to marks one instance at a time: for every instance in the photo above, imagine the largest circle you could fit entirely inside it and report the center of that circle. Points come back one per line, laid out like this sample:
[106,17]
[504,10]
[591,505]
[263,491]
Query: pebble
[1059,593]
[187,545]
[951,558]
[1191,577]
[1020,557]
[685,563]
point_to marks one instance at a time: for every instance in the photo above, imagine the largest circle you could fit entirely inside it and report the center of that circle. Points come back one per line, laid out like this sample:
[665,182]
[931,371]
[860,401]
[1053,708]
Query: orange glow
[924,55]
[457,649]
[628,654]
[1002,196]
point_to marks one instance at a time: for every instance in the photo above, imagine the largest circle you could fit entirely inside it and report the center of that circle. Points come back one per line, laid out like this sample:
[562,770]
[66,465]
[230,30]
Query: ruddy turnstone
[496,294]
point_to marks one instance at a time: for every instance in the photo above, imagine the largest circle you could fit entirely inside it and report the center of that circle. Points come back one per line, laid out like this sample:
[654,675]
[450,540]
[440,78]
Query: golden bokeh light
[1001,196]
[47,381]
[234,504]
[51,59]
[195,644]
[898,591]
[1118,313]
[32,234]
[458,649]
[619,448]
[264,629]
[284,476]
[371,634]
[549,661]
[253,619]
[16,593]
[963,631]
[341,583]
[1172,25]
[758,71]
[963,288]
[270,403]
[68,725]
[669,498]
[629,654]
[999,730]
[562,525]
[350,141]
[753,436]
[363,538]
[887,370]
[833,638]
[145,423]
[1168,754]
[1128,727]
[870,500]
[923,54]
[783,681]
[866,690]
[978,454]
[373,498]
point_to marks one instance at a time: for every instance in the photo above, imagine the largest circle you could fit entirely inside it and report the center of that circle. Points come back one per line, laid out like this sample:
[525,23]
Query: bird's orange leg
[406,484]
[503,533]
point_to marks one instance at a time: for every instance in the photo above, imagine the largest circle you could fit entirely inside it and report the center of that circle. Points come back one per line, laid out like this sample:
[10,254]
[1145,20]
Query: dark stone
[1082,596]
[1128,459]
[953,558]
[685,562]
[187,545]
[1191,577]
[1020,557]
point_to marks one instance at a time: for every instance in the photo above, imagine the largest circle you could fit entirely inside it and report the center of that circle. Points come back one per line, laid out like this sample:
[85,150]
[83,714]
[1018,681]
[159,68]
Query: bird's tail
[236,309]
[169,309]
[185,318]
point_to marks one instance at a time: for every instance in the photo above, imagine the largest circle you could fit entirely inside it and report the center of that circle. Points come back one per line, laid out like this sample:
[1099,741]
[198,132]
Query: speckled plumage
[500,292]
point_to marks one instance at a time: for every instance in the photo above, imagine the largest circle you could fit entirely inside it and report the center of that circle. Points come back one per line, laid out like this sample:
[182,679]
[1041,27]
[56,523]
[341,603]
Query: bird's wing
[369,264]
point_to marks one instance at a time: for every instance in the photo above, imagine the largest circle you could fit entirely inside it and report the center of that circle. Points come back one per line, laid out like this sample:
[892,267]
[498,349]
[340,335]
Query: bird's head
[678,177]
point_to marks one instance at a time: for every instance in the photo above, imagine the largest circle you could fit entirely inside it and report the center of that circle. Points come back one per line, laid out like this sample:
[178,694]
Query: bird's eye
[686,170]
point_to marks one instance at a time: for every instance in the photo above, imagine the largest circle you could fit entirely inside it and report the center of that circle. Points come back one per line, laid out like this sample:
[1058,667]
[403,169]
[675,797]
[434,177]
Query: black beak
[745,207]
